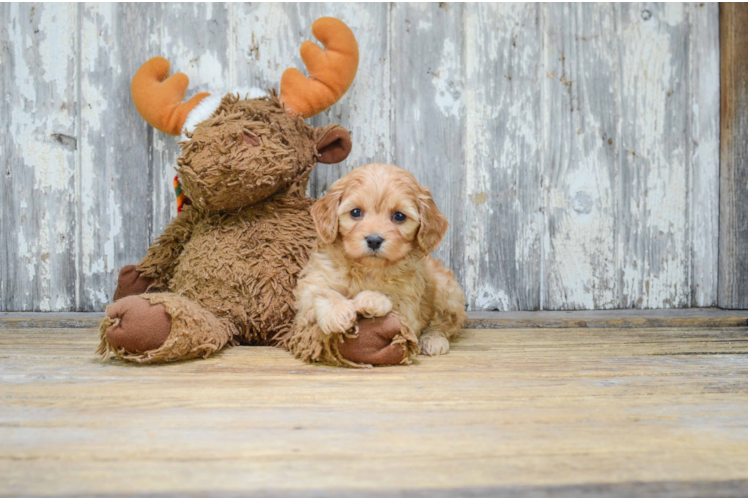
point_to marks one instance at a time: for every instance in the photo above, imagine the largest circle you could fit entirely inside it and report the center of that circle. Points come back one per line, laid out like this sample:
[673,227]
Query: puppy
[376,228]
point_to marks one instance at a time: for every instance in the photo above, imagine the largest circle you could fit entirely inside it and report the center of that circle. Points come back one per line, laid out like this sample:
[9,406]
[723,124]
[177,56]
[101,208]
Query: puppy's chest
[406,286]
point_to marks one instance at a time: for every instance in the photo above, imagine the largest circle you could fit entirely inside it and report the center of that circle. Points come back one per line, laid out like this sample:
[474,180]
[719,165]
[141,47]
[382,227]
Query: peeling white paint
[652,77]
[54,61]
[488,299]
[674,14]
[61,304]
[424,25]
[101,211]
[264,34]
[502,151]
[704,134]
[448,81]
[41,152]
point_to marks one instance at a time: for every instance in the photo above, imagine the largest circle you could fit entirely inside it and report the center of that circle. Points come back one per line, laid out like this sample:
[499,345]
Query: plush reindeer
[223,272]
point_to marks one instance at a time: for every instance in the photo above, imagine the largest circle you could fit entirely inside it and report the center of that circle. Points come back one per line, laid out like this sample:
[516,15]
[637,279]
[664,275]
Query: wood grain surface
[40,157]
[630,318]
[522,412]
[733,222]
[502,212]
[574,148]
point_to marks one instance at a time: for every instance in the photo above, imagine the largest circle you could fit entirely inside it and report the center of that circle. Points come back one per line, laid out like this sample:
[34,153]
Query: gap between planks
[616,318]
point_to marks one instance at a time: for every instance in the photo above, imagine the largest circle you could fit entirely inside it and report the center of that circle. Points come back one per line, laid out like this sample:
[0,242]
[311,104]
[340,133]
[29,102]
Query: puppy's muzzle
[374,242]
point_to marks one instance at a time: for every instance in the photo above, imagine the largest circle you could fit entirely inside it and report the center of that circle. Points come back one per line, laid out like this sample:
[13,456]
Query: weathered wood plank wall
[503,200]
[40,156]
[573,147]
[733,243]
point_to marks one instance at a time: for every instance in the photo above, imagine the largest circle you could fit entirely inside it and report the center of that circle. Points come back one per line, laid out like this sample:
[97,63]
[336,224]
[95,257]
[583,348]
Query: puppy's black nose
[374,241]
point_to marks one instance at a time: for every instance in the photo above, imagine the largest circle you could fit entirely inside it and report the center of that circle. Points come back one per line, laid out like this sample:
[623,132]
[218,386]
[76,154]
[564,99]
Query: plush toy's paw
[372,304]
[138,325]
[337,319]
[373,345]
[131,282]
[433,344]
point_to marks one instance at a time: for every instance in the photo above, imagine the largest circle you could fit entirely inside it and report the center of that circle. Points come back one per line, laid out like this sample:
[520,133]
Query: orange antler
[331,71]
[160,102]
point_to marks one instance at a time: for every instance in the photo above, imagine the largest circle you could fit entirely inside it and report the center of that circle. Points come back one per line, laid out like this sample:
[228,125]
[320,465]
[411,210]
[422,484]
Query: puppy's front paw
[339,318]
[372,304]
[433,344]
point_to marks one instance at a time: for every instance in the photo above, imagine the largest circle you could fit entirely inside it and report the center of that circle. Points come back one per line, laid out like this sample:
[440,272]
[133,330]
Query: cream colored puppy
[376,228]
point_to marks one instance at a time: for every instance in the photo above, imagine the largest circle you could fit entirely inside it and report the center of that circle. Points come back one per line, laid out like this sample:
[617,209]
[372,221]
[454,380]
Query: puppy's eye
[399,217]
[356,213]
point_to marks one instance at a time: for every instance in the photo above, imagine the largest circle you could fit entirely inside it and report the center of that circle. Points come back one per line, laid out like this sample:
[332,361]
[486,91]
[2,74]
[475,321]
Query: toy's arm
[160,261]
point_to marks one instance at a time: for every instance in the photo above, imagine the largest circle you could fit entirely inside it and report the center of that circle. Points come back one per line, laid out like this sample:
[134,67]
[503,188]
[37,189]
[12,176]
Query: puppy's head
[381,214]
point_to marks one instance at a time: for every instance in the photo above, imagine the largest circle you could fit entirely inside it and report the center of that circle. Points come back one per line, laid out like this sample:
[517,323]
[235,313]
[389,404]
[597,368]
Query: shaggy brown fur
[227,265]
[220,167]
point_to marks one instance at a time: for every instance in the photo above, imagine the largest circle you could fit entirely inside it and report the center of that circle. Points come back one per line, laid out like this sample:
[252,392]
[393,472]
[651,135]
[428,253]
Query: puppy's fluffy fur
[346,277]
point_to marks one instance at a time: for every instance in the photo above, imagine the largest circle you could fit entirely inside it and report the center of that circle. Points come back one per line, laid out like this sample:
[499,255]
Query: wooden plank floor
[609,318]
[508,412]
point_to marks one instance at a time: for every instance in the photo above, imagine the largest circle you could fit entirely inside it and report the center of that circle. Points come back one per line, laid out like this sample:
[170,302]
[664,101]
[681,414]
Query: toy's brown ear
[325,212]
[334,146]
[433,223]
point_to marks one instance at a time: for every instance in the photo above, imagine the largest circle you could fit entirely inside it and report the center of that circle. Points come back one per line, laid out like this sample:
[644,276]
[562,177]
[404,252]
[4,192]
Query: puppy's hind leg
[449,315]
[445,326]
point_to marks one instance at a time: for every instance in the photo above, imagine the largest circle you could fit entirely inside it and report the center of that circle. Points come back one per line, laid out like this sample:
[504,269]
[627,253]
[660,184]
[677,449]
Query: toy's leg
[375,341]
[380,341]
[162,327]
[132,282]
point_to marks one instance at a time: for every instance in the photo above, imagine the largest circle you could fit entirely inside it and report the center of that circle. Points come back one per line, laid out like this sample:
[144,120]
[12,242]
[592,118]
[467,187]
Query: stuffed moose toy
[223,272]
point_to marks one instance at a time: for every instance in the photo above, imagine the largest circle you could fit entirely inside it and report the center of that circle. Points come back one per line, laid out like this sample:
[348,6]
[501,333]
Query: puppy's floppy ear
[433,223]
[325,212]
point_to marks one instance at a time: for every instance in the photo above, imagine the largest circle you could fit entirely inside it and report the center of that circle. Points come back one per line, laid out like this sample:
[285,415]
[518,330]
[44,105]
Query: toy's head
[237,152]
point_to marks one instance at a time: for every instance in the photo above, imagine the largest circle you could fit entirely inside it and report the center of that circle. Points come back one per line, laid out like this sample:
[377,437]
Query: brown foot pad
[141,326]
[374,342]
